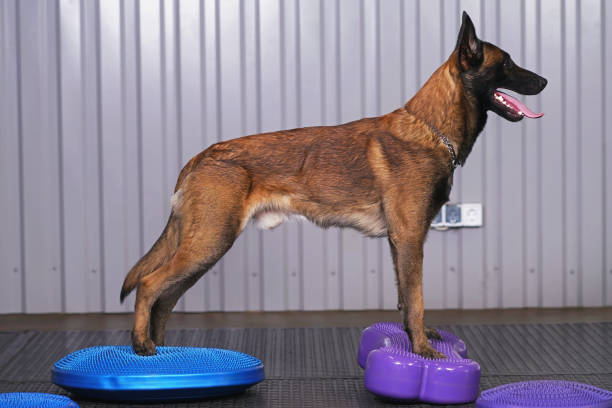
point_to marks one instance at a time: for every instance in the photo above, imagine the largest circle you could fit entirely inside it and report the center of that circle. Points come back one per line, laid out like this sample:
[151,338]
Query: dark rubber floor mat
[317,367]
[10,344]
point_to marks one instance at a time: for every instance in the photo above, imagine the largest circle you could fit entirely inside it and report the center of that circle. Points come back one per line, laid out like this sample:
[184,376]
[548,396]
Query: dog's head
[484,68]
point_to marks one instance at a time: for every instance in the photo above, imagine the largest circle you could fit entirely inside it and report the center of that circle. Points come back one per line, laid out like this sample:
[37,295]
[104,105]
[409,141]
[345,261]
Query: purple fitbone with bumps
[392,370]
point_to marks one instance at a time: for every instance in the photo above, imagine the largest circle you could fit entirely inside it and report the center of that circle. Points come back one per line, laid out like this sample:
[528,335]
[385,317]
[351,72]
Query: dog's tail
[161,252]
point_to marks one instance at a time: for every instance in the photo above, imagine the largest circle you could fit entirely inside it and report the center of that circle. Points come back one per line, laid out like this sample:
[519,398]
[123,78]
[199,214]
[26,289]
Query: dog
[386,176]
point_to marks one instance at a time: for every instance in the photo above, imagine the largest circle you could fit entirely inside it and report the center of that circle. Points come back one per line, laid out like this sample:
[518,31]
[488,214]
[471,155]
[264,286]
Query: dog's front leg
[430,332]
[407,251]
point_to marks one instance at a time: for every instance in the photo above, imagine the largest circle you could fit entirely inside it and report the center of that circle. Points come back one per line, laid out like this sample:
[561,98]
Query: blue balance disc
[174,373]
[35,400]
[545,393]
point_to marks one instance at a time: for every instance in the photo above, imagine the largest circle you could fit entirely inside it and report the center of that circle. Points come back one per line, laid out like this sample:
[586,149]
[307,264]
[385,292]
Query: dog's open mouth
[512,107]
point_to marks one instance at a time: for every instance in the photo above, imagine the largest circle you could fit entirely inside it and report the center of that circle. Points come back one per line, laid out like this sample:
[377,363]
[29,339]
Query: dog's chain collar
[454,160]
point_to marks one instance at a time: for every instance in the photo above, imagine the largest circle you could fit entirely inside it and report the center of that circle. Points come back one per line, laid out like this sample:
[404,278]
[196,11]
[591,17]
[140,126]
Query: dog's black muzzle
[524,82]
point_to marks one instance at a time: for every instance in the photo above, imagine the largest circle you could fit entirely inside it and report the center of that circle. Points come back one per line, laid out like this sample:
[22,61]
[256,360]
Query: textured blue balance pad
[35,400]
[174,373]
[545,393]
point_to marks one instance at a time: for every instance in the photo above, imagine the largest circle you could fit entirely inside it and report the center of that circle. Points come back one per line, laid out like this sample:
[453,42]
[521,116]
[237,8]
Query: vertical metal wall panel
[153,197]
[170,91]
[40,139]
[591,155]
[73,155]
[102,106]
[511,181]
[11,239]
[570,141]
[532,221]
[92,121]
[491,194]
[551,194]
[80,155]
[607,82]
[114,172]
[113,177]
[131,121]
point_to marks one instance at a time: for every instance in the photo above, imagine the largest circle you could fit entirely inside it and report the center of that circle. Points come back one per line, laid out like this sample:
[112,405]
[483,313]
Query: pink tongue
[518,105]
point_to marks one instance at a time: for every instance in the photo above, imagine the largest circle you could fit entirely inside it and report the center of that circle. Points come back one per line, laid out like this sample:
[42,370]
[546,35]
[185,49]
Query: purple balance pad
[545,393]
[392,370]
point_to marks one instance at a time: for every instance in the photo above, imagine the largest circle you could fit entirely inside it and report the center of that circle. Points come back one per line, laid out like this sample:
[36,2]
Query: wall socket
[458,215]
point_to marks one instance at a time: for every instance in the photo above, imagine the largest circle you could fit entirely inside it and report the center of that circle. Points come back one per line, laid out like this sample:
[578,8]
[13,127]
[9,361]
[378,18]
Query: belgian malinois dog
[383,176]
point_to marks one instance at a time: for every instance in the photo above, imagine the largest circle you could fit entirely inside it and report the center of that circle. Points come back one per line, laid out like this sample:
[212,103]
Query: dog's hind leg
[162,308]
[167,284]
[211,211]
[150,288]
[167,299]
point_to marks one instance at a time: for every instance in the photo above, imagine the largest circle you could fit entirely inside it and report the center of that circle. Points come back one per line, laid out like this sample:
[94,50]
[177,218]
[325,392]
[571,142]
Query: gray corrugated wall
[102,102]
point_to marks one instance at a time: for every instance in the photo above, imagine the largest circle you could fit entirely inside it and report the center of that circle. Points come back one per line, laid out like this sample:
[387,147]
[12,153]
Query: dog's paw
[144,348]
[428,351]
[432,333]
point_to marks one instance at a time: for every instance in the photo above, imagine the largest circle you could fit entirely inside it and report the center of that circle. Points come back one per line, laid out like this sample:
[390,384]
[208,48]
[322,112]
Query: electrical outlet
[458,215]
[471,215]
[453,214]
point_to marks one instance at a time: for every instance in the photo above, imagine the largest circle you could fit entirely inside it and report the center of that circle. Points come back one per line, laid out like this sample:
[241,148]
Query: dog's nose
[543,83]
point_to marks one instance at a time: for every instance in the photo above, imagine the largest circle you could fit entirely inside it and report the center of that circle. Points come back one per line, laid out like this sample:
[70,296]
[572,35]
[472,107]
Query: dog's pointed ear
[469,47]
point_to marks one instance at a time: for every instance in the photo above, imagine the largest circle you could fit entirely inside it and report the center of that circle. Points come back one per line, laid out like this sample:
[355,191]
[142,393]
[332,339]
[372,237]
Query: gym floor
[310,357]
[14,322]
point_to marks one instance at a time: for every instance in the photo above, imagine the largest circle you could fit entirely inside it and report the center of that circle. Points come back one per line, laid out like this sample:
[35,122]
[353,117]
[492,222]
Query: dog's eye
[508,63]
